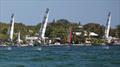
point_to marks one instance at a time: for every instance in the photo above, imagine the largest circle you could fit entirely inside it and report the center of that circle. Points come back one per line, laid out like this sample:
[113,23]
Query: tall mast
[44,25]
[11,31]
[107,27]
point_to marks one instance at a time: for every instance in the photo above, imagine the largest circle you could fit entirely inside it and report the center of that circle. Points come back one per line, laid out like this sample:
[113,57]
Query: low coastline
[49,45]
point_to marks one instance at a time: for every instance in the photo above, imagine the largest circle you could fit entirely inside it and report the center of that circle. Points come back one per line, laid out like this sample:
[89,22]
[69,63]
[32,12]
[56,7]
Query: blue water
[60,56]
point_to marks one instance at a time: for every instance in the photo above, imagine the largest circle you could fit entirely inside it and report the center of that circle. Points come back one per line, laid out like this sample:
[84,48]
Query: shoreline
[70,45]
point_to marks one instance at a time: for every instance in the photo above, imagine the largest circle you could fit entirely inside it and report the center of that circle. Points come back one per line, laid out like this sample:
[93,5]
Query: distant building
[91,34]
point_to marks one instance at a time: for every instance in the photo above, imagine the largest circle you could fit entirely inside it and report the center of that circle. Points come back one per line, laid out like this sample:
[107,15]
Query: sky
[31,12]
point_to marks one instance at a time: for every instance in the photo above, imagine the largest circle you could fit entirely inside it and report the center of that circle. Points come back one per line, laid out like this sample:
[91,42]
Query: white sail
[44,25]
[11,30]
[107,28]
[19,40]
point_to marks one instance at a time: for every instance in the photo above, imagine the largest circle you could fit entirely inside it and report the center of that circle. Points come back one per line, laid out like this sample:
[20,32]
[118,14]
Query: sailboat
[11,30]
[19,41]
[70,36]
[41,37]
[107,28]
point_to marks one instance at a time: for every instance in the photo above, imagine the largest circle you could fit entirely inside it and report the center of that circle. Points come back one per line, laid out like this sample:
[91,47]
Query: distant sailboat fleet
[41,39]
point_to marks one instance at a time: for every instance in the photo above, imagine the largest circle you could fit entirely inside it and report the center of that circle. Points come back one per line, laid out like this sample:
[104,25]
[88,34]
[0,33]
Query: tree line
[59,28]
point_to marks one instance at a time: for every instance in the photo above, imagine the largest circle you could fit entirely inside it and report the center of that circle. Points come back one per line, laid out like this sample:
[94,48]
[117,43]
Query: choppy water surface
[60,56]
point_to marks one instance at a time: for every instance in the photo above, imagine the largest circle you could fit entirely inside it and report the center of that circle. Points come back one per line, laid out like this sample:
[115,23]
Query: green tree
[93,27]
[118,31]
